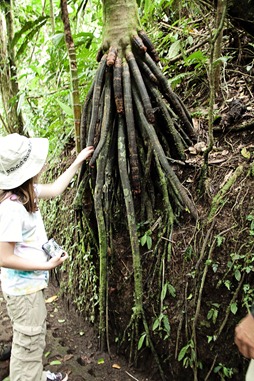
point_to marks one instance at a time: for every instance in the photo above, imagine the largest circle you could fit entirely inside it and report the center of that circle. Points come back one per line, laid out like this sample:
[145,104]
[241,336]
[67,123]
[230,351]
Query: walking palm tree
[139,128]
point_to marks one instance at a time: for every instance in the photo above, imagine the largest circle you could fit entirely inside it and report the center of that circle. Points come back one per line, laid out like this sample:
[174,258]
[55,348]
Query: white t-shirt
[28,232]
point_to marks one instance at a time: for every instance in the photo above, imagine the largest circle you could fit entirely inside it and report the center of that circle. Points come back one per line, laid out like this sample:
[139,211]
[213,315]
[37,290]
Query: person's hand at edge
[244,336]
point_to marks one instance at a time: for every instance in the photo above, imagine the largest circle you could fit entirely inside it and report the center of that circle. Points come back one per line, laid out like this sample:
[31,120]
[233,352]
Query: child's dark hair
[26,195]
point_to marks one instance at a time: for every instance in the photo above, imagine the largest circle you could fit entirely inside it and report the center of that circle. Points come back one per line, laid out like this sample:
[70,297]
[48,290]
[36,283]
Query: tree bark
[73,72]
[8,72]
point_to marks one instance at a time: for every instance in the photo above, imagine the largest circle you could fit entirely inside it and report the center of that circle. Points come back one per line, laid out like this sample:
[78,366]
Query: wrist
[75,166]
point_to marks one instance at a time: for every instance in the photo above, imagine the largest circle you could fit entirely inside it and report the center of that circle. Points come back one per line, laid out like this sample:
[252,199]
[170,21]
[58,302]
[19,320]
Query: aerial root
[107,119]
[141,86]
[131,133]
[111,56]
[138,75]
[117,84]
[150,47]
[172,98]
[138,44]
[99,82]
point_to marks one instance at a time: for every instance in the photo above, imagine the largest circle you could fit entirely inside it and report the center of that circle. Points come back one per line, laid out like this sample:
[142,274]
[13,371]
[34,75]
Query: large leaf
[67,109]
[29,29]
[28,26]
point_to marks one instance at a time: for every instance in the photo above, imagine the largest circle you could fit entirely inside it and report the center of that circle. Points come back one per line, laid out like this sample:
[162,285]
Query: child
[24,265]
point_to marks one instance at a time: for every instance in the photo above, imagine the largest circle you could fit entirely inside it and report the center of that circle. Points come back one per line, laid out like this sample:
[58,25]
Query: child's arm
[59,185]
[9,260]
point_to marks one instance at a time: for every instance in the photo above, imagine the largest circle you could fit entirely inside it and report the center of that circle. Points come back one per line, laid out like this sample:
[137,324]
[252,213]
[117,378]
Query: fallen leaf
[85,360]
[67,357]
[116,366]
[51,299]
[245,153]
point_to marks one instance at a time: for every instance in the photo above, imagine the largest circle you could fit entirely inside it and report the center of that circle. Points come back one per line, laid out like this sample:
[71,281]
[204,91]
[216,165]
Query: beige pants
[250,372]
[28,315]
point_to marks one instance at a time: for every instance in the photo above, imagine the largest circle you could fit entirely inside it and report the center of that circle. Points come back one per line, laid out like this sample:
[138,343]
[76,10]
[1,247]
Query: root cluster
[131,87]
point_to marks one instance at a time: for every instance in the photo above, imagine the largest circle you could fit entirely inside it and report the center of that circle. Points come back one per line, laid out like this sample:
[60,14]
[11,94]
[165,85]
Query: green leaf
[164,291]
[172,290]
[217,369]
[237,275]
[141,340]
[100,361]
[178,79]
[183,352]
[149,242]
[58,38]
[234,308]
[66,108]
[143,240]
[156,324]
[220,240]
[197,58]
[227,284]
[174,49]
[29,25]
[166,323]
[55,362]
[210,314]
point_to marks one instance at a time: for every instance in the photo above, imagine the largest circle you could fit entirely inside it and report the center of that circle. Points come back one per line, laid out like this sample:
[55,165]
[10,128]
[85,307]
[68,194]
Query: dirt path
[70,347]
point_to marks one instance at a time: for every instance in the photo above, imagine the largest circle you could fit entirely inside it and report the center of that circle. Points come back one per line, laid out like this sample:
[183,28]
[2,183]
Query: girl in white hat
[24,264]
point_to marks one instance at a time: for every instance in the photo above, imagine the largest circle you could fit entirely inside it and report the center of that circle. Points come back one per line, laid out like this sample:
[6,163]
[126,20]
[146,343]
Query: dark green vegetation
[160,285]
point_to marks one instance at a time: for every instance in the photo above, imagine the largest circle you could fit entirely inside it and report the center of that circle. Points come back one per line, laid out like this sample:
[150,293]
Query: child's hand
[58,259]
[244,336]
[84,154]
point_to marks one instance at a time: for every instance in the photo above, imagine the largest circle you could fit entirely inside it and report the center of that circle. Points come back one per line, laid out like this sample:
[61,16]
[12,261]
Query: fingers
[246,349]
[63,256]
[85,154]
[58,259]
[244,337]
[89,151]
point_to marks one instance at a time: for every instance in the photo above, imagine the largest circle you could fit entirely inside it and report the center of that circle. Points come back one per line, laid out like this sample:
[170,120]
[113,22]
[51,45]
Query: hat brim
[30,168]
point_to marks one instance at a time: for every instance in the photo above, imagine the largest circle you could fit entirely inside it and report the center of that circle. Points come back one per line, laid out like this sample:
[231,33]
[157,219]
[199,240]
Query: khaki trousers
[28,315]
[250,371]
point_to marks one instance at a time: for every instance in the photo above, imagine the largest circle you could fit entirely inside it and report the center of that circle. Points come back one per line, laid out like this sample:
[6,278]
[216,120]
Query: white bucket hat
[21,158]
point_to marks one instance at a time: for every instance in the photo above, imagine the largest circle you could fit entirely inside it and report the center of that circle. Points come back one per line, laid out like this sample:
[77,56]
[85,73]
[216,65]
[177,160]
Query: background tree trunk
[73,72]
[8,72]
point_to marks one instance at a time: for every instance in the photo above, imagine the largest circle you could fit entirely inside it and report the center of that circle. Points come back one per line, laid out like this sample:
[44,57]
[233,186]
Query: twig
[210,370]
[134,378]
[242,127]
